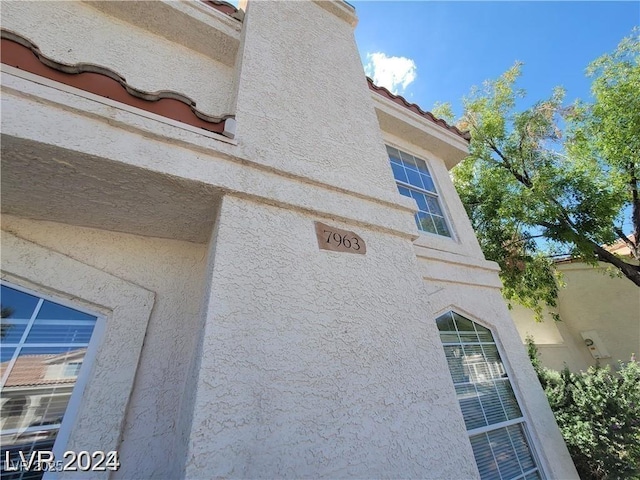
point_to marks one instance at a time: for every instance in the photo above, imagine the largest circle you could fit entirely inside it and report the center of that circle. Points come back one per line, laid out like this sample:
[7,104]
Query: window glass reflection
[43,348]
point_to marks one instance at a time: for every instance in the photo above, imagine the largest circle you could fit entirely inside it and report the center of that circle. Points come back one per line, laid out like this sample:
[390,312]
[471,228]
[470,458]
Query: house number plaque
[338,240]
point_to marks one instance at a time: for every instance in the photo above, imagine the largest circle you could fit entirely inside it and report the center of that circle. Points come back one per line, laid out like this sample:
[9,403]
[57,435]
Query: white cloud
[393,73]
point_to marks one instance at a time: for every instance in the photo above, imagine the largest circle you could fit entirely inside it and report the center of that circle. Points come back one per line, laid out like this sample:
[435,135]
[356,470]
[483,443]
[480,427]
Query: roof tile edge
[21,53]
[225,8]
[400,100]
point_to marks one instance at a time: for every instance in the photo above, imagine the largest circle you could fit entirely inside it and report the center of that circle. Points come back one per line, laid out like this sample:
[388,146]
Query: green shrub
[598,412]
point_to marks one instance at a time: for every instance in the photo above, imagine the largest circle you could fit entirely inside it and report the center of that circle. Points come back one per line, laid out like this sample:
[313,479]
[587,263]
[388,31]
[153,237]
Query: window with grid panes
[44,344]
[493,418]
[415,181]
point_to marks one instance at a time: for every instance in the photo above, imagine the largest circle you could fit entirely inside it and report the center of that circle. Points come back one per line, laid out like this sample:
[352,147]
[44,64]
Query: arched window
[493,418]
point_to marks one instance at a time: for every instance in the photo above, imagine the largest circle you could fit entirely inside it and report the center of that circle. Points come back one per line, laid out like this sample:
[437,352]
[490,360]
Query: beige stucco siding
[260,355]
[300,69]
[319,364]
[155,146]
[73,32]
[173,271]
[592,300]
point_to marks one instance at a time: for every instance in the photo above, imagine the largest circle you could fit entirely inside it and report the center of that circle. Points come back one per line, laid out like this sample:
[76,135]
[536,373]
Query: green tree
[527,179]
[598,412]
[5,312]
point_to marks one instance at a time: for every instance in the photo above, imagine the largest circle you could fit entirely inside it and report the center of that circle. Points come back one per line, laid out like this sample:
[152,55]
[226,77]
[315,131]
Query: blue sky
[444,48]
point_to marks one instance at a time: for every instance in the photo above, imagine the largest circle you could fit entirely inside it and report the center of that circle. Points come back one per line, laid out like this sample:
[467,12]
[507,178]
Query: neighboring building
[202,233]
[600,318]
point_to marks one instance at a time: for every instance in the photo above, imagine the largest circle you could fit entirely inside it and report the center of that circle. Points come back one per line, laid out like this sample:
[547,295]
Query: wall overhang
[340,9]
[194,25]
[46,182]
[402,122]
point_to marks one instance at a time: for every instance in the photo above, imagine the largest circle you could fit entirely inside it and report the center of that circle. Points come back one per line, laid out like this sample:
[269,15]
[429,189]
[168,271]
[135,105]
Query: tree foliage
[598,413]
[5,312]
[528,179]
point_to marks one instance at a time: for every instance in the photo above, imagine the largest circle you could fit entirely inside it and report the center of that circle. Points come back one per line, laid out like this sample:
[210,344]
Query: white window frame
[436,195]
[64,429]
[77,367]
[126,310]
[523,420]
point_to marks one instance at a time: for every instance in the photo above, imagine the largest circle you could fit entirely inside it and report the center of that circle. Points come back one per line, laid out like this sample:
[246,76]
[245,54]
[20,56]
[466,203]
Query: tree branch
[522,240]
[509,167]
[624,237]
[632,272]
[635,211]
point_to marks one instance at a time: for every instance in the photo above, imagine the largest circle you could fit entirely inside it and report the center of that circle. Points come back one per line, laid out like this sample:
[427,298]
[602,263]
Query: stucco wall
[457,277]
[29,110]
[300,68]
[486,306]
[591,300]
[611,306]
[305,363]
[556,346]
[73,32]
[173,270]
[320,364]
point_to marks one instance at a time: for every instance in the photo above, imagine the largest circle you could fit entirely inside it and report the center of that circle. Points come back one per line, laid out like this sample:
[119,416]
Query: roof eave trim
[400,100]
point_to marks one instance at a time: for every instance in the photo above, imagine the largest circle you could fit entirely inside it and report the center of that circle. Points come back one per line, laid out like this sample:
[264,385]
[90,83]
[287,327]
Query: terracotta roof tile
[400,100]
[21,53]
[224,7]
[621,247]
[30,370]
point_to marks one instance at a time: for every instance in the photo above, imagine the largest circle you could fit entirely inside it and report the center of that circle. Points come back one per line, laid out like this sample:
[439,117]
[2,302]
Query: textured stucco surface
[591,300]
[73,32]
[173,271]
[29,110]
[487,307]
[317,363]
[299,68]
[126,308]
[70,187]
[264,356]
[195,25]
